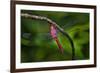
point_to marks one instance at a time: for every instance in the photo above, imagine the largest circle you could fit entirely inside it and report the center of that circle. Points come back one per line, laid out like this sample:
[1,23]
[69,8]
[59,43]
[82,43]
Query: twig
[56,25]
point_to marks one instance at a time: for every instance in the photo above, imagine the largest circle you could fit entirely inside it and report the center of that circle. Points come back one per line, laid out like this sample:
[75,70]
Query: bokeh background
[37,44]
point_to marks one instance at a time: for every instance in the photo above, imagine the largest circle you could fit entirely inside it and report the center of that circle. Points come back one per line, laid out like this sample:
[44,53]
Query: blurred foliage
[37,44]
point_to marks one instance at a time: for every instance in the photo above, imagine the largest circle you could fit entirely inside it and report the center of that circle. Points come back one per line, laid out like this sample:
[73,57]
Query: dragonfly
[53,33]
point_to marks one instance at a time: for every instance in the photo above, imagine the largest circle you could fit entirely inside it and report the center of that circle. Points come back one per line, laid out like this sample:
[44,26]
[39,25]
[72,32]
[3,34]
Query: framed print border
[13,35]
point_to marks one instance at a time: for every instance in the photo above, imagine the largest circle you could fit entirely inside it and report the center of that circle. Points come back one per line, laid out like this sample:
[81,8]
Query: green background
[37,44]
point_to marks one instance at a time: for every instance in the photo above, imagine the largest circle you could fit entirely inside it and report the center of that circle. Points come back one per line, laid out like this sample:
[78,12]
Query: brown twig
[26,15]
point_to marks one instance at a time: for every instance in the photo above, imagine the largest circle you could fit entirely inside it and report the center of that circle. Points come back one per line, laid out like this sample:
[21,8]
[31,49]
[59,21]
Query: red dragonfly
[53,32]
